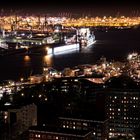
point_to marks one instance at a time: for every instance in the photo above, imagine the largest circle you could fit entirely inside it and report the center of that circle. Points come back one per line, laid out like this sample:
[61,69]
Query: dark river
[113,44]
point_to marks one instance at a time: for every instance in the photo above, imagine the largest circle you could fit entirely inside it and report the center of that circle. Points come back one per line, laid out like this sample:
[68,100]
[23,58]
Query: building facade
[20,119]
[36,133]
[98,128]
[123,111]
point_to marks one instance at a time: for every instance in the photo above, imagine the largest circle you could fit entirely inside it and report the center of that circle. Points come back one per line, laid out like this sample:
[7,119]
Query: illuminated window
[64,126]
[94,133]
[110,134]
[85,124]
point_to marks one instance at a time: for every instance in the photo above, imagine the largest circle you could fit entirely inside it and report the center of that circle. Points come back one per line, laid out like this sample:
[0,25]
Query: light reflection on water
[27,60]
[47,60]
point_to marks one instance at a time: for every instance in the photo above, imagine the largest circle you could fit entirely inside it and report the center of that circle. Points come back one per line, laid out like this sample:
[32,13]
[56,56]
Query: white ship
[85,37]
[63,48]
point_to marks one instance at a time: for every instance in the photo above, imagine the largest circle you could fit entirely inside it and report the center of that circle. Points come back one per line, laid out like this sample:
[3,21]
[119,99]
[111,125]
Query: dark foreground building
[122,107]
[78,109]
[48,133]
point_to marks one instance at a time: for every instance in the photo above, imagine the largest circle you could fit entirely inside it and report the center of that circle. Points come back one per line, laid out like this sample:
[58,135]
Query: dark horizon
[93,8]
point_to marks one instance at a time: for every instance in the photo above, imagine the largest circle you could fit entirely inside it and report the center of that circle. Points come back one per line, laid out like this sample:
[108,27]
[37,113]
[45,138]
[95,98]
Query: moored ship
[72,41]
[86,38]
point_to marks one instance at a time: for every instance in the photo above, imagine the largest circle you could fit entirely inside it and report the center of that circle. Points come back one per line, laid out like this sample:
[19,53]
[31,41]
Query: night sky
[91,6]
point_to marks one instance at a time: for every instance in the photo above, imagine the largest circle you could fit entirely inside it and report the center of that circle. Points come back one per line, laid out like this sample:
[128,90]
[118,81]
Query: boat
[86,38]
[83,38]
[10,48]
[86,42]
[62,48]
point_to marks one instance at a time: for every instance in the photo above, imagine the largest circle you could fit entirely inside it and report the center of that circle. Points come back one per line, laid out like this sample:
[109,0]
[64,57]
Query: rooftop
[47,129]
[122,82]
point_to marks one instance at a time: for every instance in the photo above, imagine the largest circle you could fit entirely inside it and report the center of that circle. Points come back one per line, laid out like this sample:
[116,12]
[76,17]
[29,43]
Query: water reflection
[27,60]
[47,59]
